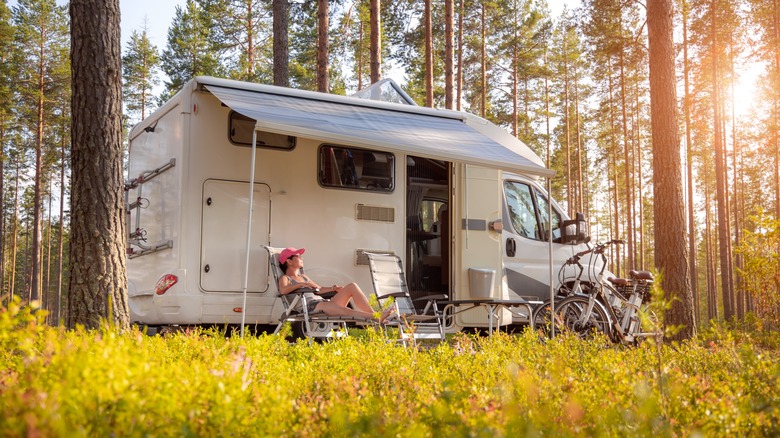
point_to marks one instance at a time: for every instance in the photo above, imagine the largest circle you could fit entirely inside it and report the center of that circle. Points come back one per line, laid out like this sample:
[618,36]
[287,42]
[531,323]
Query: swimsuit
[312,299]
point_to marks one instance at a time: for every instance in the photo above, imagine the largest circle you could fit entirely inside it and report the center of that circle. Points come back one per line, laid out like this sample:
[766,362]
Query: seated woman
[291,262]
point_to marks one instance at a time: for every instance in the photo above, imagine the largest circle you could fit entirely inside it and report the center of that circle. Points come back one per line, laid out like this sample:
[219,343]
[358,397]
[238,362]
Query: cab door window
[529,211]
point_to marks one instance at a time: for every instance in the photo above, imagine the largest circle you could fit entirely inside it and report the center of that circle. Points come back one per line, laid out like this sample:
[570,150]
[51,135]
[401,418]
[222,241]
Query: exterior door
[479,206]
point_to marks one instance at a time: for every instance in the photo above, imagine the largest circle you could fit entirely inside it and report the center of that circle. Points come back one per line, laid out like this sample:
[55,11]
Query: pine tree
[140,65]
[42,39]
[671,248]
[6,105]
[240,32]
[191,49]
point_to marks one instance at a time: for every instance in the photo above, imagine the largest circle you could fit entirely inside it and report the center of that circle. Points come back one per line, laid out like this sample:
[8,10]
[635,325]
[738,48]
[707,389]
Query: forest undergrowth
[56,382]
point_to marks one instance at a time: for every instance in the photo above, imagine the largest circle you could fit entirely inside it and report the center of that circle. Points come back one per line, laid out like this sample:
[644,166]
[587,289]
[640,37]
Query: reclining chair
[387,276]
[311,325]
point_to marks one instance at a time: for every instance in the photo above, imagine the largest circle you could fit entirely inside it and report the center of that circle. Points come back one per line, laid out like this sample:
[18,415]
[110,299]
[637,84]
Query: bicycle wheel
[569,316]
[541,315]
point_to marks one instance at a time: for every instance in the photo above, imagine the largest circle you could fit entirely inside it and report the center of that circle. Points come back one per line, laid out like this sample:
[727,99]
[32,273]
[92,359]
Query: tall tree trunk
[689,164]
[98,283]
[712,286]
[776,115]
[630,237]
[376,41]
[428,55]
[671,250]
[61,234]
[250,39]
[2,203]
[360,57]
[639,176]
[322,46]
[47,290]
[459,78]
[740,291]
[548,138]
[724,235]
[567,120]
[579,203]
[483,61]
[281,19]
[35,259]
[15,240]
[449,24]
[613,175]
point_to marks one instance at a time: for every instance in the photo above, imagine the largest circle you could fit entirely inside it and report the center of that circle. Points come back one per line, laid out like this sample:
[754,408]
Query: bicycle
[613,308]
[575,288]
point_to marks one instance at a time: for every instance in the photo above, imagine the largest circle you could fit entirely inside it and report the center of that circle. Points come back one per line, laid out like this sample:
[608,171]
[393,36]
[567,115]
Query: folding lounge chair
[312,325]
[387,276]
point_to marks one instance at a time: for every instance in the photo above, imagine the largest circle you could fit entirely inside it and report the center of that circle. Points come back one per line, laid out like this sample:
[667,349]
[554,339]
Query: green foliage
[100,383]
[761,272]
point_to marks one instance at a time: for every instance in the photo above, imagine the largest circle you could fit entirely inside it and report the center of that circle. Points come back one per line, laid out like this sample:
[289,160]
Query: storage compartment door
[223,236]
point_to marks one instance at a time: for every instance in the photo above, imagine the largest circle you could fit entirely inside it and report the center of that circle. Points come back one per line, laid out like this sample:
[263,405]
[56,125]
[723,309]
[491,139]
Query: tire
[568,316]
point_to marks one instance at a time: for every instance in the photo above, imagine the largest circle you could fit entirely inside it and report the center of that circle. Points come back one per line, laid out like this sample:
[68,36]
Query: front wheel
[572,315]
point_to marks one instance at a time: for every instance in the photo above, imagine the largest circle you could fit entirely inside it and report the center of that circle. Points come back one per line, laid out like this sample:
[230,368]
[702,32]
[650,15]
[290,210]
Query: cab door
[525,239]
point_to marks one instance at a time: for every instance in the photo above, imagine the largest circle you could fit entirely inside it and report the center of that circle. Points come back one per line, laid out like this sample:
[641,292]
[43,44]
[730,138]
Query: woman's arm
[285,286]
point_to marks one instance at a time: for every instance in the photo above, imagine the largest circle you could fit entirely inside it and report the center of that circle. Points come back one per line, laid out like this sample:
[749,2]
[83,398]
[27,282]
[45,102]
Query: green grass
[55,382]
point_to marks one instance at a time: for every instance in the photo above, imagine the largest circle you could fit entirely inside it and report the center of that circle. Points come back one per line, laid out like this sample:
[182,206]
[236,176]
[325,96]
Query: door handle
[511,247]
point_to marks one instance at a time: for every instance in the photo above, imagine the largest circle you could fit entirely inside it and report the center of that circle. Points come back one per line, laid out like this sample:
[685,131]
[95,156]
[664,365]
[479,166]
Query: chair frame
[429,324]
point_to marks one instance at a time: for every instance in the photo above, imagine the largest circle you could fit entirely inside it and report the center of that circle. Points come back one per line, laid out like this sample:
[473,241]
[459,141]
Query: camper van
[227,167]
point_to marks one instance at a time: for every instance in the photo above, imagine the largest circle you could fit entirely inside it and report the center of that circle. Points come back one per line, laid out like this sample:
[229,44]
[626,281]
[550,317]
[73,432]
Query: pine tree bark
[376,41]
[322,46]
[671,249]
[776,109]
[689,163]
[428,55]
[98,282]
[459,76]
[449,24]
[483,62]
[281,19]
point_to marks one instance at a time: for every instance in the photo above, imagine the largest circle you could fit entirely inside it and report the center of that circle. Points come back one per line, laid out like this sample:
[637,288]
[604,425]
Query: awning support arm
[249,227]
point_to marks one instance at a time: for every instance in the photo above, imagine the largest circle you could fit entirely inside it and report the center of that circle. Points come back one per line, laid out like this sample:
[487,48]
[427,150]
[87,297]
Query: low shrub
[55,382]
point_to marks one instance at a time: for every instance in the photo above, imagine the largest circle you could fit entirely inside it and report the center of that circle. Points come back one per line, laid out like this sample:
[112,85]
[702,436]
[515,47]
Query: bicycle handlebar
[598,249]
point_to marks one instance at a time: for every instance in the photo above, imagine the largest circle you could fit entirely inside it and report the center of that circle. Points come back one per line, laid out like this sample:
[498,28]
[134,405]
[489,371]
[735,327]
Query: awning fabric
[373,125]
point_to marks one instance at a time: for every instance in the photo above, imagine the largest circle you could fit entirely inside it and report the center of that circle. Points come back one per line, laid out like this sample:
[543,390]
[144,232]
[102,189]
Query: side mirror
[575,231]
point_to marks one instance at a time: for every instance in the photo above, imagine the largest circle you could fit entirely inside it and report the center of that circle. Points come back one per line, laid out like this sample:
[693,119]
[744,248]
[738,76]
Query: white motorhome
[455,196]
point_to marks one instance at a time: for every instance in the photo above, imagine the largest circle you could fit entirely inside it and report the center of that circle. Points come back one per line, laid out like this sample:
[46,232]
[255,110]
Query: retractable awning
[438,134]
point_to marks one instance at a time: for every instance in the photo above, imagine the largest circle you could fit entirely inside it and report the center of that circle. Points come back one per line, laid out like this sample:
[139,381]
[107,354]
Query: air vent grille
[361,259]
[374,213]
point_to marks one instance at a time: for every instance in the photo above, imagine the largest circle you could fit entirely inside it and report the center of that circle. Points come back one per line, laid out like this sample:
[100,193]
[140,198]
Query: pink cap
[289,252]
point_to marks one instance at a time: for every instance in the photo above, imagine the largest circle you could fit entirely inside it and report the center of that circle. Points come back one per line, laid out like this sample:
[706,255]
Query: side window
[240,130]
[520,201]
[352,168]
[544,213]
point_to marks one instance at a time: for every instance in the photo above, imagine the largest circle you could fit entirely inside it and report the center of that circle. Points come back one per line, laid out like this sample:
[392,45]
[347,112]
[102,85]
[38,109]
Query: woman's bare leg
[352,292]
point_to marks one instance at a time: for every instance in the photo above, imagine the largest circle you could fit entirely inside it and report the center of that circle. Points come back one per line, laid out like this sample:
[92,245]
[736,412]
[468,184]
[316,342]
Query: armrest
[431,298]
[391,294]
[304,290]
